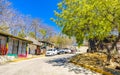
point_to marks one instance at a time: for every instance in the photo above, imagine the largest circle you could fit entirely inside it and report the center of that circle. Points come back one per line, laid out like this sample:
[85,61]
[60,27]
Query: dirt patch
[96,62]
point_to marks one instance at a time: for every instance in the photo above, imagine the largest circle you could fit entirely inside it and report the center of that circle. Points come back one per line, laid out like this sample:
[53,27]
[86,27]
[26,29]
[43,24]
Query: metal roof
[35,42]
[9,35]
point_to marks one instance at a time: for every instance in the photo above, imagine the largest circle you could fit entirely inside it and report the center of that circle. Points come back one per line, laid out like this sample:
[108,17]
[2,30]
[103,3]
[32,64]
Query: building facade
[13,46]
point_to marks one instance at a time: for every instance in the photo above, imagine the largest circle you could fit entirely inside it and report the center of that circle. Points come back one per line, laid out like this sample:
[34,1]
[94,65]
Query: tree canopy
[43,32]
[88,18]
[61,41]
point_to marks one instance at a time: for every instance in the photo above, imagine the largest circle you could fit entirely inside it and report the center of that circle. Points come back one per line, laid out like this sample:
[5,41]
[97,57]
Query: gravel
[64,62]
[4,59]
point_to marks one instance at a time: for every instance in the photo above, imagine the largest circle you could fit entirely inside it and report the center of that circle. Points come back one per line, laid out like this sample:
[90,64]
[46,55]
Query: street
[51,65]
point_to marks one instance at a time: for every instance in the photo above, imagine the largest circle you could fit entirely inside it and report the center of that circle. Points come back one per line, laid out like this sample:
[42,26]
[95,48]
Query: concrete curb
[24,58]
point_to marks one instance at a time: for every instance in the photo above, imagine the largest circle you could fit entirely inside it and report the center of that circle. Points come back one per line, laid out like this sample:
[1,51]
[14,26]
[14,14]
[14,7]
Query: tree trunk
[92,46]
[108,53]
[116,48]
[112,48]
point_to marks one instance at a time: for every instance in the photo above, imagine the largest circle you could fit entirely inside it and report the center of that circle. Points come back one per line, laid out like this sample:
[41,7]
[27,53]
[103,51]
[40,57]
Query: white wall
[32,48]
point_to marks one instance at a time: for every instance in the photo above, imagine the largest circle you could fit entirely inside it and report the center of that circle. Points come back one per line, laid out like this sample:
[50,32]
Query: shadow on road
[64,62]
[58,62]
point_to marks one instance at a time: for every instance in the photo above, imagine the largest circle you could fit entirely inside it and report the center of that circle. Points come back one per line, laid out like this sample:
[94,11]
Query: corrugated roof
[46,42]
[9,35]
[35,42]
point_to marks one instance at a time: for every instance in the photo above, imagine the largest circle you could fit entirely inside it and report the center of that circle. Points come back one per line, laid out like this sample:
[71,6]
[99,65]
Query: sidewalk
[27,58]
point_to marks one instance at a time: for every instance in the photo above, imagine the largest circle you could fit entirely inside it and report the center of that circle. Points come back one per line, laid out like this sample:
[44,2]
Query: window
[23,49]
[15,46]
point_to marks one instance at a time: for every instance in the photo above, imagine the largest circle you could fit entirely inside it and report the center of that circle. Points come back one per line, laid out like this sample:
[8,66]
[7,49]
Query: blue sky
[42,9]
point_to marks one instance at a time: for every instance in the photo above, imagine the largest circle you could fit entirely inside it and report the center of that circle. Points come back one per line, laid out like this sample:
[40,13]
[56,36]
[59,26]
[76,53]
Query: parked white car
[55,51]
[67,50]
[51,52]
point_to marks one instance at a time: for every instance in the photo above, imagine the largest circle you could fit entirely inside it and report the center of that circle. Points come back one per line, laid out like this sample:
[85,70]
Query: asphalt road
[53,65]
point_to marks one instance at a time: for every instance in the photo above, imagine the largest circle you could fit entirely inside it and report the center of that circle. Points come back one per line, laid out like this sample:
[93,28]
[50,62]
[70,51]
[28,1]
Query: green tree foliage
[88,18]
[4,28]
[32,34]
[43,32]
[61,41]
[22,34]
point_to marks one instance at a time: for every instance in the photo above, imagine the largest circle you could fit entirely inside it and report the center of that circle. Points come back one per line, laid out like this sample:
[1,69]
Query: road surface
[53,65]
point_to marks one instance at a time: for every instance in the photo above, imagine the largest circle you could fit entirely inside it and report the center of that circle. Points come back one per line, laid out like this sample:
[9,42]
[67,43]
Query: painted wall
[23,48]
[10,46]
[15,46]
[3,40]
[3,45]
[20,47]
[32,48]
